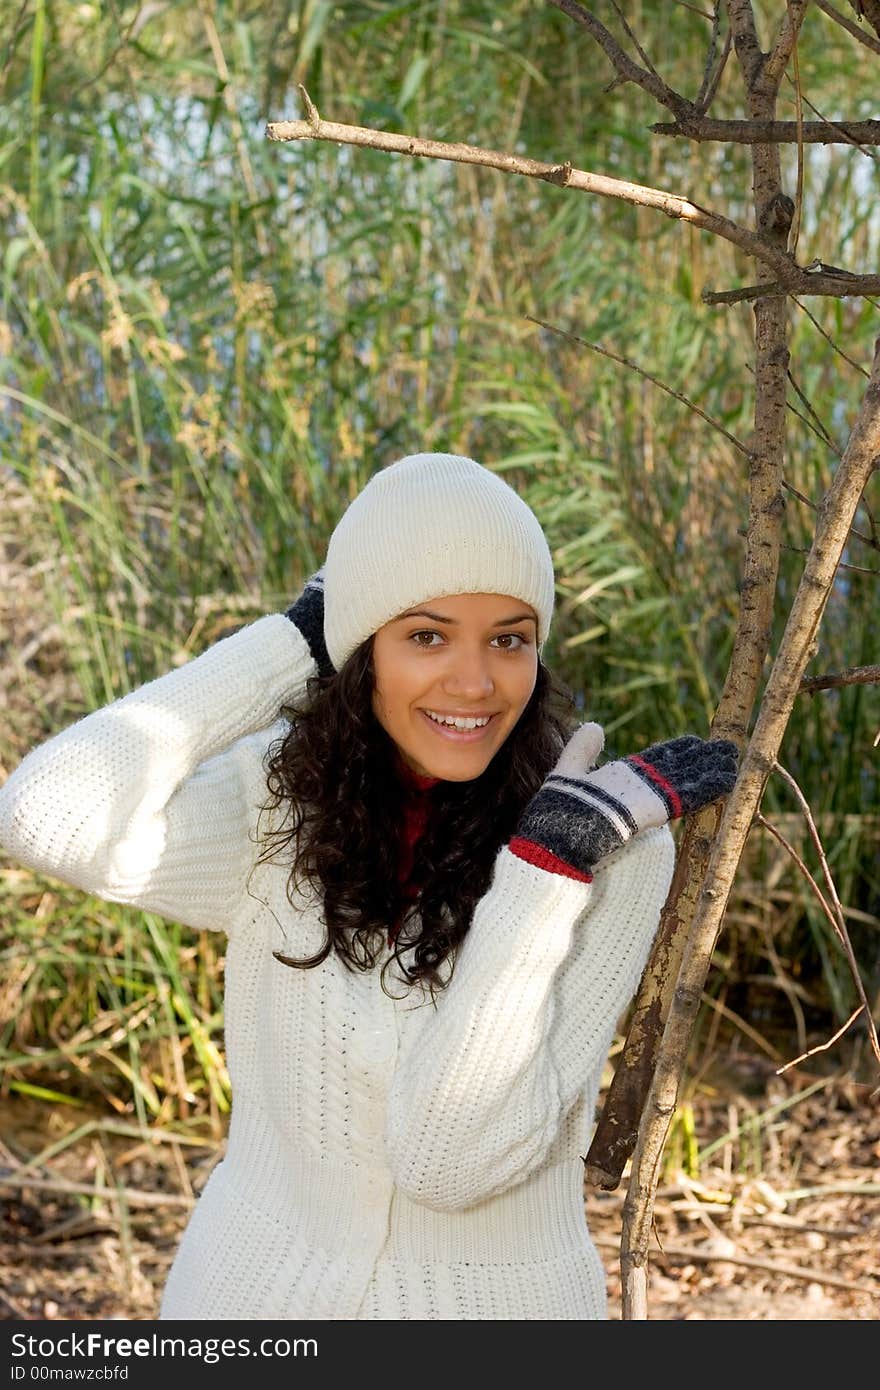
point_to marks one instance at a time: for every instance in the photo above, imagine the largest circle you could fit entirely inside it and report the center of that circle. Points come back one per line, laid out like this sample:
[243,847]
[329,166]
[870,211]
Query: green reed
[209,343]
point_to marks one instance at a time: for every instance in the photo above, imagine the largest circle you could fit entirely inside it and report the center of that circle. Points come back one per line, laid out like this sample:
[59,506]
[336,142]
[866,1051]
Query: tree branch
[822,1047]
[835,518]
[745,42]
[655,381]
[829,340]
[623,1112]
[786,40]
[831,281]
[833,908]
[849,25]
[705,129]
[835,680]
[871,10]
[793,279]
[712,71]
[623,65]
[808,502]
[746,295]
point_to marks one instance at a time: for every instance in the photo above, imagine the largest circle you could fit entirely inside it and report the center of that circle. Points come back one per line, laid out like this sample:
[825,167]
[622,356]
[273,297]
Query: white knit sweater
[387,1158]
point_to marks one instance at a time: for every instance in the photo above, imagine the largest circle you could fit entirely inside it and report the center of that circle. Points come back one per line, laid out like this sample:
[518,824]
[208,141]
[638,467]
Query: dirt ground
[782,1223]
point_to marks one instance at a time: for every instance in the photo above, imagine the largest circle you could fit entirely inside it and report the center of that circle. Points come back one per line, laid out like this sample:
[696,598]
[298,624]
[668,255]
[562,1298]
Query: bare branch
[849,25]
[709,84]
[745,295]
[777,61]
[702,95]
[799,193]
[633,366]
[623,65]
[871,10]
[817,325]
[835,680]
[836,917]
[802,549]
[850,569]
[793,278]
[795,856]
[745,41]
[822,1047]
[818,426]
[859,535]
[820,115]
[633,37]
[829,280]
[704,129]
[690,1255]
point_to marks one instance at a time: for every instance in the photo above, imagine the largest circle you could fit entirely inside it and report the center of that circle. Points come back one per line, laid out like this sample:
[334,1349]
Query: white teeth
[457,723]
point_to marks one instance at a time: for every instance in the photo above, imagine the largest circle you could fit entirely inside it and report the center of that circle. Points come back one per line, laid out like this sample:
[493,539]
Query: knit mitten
[578,816]
[307,613]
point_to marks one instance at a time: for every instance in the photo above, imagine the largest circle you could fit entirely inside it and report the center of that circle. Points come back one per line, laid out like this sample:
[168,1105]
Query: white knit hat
[426,526]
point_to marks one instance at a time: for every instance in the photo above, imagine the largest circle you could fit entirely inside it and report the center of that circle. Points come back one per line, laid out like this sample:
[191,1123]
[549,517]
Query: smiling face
[451,678]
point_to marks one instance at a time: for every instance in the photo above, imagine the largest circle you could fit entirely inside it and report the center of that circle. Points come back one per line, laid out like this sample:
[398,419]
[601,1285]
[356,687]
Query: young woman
[437,908]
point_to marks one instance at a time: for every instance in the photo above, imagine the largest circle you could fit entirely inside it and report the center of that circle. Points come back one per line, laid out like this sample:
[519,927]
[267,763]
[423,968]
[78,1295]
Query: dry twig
[833,911]
[129,1195]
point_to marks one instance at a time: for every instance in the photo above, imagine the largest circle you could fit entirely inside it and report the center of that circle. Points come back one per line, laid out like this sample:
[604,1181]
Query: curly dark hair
[333,774]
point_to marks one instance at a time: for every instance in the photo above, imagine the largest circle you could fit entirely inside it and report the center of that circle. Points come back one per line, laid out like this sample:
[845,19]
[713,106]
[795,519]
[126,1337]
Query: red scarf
[416,809]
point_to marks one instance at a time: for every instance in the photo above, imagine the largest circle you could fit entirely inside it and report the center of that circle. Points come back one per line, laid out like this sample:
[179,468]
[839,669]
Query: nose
[469,676]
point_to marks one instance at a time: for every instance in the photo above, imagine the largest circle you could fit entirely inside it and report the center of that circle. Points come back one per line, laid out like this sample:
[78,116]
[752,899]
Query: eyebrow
[454,622]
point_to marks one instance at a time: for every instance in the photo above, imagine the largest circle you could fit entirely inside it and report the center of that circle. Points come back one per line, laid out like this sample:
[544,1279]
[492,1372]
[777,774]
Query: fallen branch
[828,1189]
[809,1276]
[129,1195]
[150,1137]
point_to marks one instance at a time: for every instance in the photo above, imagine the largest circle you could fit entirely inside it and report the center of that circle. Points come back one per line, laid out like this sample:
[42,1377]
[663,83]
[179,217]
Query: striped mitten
[578,816]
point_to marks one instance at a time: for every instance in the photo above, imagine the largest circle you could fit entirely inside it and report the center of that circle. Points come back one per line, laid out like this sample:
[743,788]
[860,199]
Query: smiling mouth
[460,728]
[459,721]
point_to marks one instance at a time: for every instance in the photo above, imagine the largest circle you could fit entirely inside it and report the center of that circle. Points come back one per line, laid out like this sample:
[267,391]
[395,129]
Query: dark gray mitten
[688,772]
[307,613]
[578,815]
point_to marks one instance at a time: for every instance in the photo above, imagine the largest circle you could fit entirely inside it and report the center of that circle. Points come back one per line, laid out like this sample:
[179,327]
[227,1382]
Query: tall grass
[209,343]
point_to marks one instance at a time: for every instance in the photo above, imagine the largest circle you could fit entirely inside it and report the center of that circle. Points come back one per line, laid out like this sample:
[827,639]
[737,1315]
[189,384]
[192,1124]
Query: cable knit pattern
[387,1158]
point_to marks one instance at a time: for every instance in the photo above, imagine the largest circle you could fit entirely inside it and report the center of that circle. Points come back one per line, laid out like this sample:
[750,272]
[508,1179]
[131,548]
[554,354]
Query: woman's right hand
[307,614]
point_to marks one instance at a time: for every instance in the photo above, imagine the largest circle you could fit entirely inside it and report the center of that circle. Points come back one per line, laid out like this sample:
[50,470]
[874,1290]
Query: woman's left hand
[578,816]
